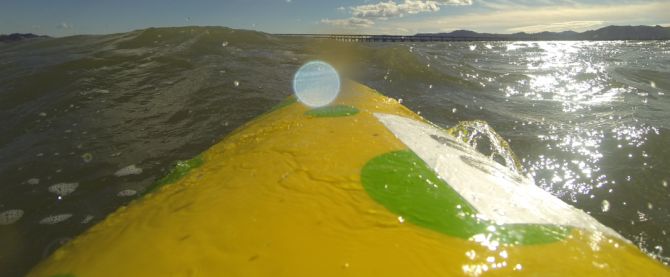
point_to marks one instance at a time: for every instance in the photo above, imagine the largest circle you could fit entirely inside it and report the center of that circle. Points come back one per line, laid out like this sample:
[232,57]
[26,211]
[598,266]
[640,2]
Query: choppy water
[88,122]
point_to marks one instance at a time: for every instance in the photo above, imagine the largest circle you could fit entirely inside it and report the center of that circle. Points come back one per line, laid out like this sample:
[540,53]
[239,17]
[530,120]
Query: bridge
[388,38]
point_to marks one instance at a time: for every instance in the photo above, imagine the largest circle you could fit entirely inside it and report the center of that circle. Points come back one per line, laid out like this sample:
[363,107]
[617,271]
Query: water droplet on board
[224,44]
[236,83]
[471,254]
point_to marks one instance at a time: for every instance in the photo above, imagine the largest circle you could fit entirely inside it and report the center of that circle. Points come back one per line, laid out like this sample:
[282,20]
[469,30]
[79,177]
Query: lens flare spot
[316,84]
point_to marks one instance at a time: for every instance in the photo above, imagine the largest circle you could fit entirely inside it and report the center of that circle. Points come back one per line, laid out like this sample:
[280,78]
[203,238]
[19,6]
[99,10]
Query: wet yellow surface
[282,196]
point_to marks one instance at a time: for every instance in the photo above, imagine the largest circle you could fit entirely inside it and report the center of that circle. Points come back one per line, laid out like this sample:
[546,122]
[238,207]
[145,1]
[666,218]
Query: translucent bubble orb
[316,84]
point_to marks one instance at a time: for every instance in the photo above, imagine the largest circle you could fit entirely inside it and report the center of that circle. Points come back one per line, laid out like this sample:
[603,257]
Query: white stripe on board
[496,192]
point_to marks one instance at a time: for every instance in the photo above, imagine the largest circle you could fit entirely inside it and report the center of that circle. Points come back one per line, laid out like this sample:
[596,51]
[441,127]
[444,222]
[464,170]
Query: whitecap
[53,219]
[128,170]
[87,157]
[63,189]
[10,216]
[126,193]
[87,219]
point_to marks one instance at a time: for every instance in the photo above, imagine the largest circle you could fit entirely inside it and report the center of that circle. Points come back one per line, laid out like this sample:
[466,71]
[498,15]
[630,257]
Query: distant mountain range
[18,37]
[606,33]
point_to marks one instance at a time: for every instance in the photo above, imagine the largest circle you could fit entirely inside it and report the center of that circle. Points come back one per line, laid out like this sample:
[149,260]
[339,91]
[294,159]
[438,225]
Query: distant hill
[606,33]
[18,37]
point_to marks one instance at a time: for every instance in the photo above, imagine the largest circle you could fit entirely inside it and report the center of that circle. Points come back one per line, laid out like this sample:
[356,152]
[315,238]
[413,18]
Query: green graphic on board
[405,185]
[177,172]
[333,111]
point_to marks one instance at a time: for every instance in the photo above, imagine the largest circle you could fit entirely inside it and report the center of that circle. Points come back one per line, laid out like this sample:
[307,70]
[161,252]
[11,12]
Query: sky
[70,17]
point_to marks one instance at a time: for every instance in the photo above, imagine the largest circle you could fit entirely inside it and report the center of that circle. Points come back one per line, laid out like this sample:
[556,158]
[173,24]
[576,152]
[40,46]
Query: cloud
[363,15]
[502,16]
[558,17]
[64,25]
[454,2]
[384,10]
[352,22]
[559,26]
[515,4]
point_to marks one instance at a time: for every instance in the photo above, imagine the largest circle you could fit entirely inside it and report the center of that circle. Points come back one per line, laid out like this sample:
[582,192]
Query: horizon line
[340,33]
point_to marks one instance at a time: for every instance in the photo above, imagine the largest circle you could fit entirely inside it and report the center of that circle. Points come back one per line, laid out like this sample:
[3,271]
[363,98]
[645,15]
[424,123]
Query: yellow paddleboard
[362,187]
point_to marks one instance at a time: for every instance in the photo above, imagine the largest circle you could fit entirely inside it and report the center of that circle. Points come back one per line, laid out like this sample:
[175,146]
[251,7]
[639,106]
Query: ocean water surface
[87,123]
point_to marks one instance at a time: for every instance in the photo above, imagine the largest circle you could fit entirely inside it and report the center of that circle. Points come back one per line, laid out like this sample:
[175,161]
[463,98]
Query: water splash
[605,206]
[481,136]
